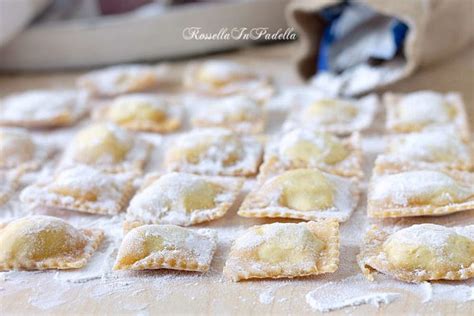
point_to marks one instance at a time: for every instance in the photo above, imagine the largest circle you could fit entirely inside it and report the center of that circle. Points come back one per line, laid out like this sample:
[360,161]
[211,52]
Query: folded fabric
[353,47]
[356,34]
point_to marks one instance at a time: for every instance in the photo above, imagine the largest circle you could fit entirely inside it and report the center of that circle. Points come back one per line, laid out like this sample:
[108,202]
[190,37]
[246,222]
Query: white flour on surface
[141,292]
[141,308]
[268,295]
[356,290]
[454,292]
[376,299]
[47,300]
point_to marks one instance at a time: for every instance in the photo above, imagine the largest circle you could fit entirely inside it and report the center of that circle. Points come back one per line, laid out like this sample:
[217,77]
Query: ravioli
[225,78]
[214,151]
[240,114]
[108,147]
[182,199]
[306,148]
[423,252]
[166,247]
[82,189]
[281,250]
[43,108]
[426,111]
[307,194]
[142,112]
[43,242]
[420,192]
[121,79]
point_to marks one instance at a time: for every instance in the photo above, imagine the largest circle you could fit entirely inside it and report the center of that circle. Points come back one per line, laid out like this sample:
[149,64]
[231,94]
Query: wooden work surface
[171,292]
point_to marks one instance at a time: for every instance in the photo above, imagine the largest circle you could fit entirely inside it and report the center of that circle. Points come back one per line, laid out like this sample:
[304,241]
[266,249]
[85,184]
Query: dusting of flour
[147,291]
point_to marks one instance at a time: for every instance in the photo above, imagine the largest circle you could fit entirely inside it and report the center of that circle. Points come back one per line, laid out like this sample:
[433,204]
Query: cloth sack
[436,30]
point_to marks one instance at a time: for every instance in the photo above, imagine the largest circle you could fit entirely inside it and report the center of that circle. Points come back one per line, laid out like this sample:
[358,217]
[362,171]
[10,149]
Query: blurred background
[347,47]
[58,34]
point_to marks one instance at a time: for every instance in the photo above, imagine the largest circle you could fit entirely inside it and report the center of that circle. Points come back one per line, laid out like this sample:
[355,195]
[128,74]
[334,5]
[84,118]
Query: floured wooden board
[97,289]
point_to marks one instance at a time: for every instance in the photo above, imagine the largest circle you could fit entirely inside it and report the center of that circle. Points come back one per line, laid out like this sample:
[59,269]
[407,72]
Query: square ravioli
[43,242]
[43,108]
[420,193]
[284,250]
[9,182]
[116,80]
[19,149]
[304,148]
[316,111]
[240,114]
[108,147]
[182,199]
[307,194]
[425,110]
[223,77]
[214,151]
[142,112]
[442,149]
[418,253]
[82,189]
[166,247]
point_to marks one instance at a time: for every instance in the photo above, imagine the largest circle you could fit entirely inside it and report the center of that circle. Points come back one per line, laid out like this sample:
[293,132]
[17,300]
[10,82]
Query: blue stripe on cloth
[330,15]
[399,32]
